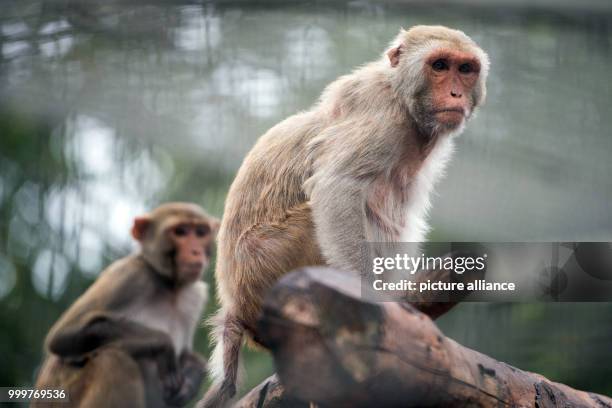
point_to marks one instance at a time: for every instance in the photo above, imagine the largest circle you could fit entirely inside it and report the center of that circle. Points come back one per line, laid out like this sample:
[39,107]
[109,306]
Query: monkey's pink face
[453,76]
[192,243]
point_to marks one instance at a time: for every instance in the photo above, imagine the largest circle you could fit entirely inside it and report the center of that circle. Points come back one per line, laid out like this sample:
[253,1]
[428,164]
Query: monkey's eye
[202,230]
[466,68]
[439,65]
[180,231]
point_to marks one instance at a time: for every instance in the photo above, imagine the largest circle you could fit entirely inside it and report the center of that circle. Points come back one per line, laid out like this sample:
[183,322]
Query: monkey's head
[440,75]
[176,240]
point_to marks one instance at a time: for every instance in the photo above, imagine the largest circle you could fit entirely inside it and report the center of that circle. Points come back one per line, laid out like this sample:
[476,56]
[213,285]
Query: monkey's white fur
[419,201]
[178,320]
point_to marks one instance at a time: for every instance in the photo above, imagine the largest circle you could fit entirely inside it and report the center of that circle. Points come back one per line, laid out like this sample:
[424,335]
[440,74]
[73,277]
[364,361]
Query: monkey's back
[267,228]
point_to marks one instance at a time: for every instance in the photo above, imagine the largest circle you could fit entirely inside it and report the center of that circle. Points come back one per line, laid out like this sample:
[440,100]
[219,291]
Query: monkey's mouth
[191,270]
[458,110]
[451,117]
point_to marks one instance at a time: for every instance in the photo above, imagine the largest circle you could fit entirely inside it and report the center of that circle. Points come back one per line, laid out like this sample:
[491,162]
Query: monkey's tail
[227,335]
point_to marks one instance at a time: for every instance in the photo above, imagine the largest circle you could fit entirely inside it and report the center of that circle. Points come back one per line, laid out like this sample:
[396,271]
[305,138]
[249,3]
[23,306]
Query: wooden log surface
[333,348]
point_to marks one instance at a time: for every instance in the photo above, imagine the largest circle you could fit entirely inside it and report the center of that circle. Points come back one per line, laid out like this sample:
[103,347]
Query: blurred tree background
[110,108]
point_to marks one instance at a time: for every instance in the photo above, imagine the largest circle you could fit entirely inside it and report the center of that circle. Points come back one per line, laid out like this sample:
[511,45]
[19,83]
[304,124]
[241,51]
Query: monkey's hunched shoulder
[130,271]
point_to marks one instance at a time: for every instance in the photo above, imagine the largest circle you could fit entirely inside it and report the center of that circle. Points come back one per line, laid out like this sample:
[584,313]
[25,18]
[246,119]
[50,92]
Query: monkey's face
[176,240]
[451,88]
[192,243]
[452,76]
[440,73]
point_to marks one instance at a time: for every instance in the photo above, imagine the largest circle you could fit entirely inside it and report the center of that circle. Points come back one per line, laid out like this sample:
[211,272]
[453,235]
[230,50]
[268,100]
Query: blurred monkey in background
[127,341]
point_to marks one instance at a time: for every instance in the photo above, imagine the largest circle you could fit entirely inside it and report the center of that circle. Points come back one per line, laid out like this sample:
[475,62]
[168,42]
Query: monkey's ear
[394,55]
[139,229]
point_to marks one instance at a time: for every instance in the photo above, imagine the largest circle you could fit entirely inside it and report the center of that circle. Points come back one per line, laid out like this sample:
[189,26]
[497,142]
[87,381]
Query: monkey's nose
[455,94]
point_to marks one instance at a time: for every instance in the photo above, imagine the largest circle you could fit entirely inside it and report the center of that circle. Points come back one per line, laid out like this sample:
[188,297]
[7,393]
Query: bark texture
[333,347]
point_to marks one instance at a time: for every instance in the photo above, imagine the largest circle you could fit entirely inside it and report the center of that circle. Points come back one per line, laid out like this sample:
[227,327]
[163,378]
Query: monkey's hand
[192,368]
[169,375]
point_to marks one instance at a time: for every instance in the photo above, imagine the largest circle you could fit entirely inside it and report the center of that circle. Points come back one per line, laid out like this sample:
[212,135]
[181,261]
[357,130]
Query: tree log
[335,349]
[270,393]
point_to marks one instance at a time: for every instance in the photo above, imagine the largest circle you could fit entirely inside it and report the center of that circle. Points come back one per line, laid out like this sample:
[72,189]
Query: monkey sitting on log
[127,341]
[358,166]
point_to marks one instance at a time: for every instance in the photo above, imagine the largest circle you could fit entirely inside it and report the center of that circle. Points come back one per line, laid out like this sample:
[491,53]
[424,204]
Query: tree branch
[335,349]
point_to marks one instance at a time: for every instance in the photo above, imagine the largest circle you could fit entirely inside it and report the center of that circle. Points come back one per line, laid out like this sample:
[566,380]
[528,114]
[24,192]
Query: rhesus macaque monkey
[127,341]
[358,166]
